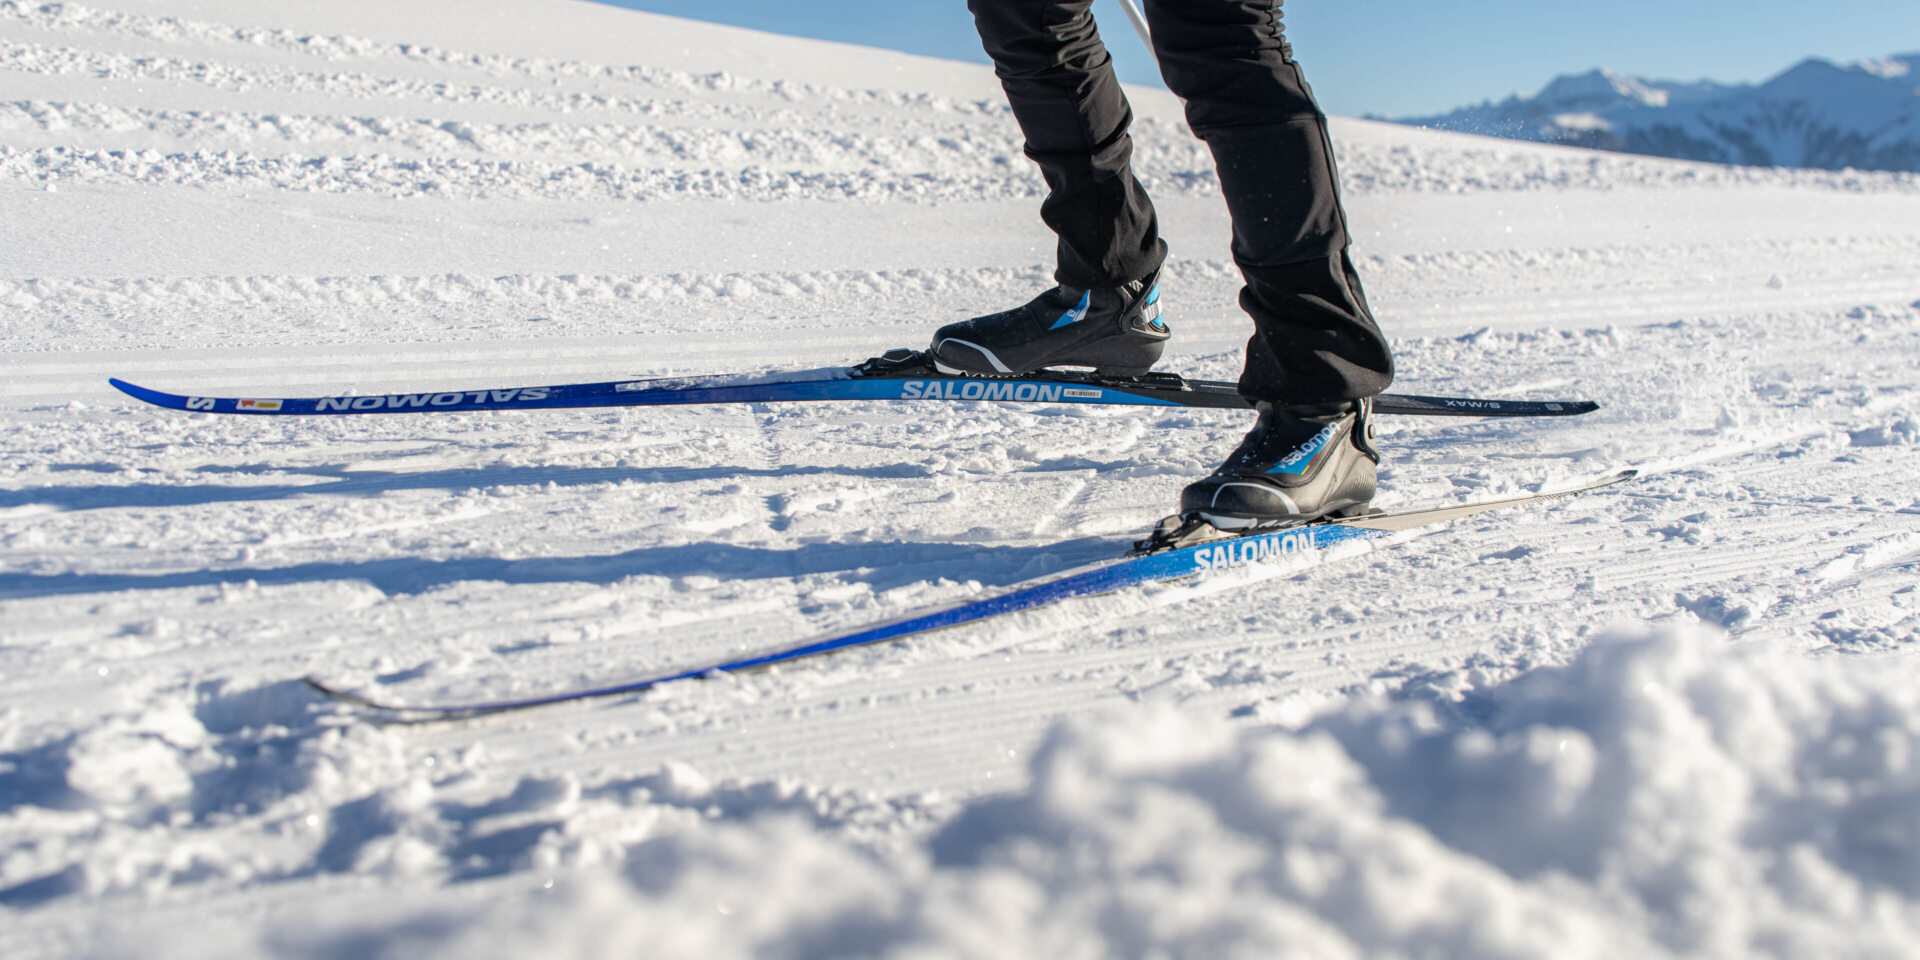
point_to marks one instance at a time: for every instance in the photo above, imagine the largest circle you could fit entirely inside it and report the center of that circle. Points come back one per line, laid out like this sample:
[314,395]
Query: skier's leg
[1105,312]
[1060,83]
[1316,353]
[1315,340]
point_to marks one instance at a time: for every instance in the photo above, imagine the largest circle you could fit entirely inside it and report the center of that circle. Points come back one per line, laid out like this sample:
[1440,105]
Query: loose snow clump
[1662,795]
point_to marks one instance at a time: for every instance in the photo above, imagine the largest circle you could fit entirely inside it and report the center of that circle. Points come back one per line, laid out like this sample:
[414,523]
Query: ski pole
[1139,23]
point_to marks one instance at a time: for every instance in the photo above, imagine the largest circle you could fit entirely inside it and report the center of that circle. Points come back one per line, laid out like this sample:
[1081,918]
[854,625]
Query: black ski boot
[1115,330]
[1298,464]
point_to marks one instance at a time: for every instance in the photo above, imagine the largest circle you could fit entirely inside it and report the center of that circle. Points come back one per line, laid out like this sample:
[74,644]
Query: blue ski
[1175,553]
[902,375]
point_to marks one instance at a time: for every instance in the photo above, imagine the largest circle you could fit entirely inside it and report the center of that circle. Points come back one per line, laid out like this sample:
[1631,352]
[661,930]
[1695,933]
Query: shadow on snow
[365,483]
[881,565]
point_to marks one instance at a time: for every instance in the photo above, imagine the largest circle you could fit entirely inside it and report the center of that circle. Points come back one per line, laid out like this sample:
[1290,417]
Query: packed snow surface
[1674,718]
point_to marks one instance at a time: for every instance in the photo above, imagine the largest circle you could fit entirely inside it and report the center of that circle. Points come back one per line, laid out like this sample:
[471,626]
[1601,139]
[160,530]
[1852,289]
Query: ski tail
[1413,405]
[1409,519]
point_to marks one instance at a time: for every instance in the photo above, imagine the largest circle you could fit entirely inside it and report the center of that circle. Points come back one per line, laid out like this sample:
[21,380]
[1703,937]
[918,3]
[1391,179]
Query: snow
[1670,719]
[1667,794]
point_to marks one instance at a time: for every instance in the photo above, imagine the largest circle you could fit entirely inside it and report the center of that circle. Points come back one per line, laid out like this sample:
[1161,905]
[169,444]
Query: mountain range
[1864,116]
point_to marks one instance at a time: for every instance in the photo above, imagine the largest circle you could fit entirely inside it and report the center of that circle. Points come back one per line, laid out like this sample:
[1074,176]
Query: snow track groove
[680,143]
[76,20]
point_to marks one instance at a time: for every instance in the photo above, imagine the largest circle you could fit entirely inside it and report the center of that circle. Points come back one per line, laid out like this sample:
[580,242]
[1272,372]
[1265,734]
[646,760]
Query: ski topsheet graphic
[1151,561]
[899,375]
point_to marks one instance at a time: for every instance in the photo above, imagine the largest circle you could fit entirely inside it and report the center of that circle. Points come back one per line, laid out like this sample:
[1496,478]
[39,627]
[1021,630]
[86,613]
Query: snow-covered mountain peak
[1602,87]
[1816,77]
[1816,113]
[1893,68]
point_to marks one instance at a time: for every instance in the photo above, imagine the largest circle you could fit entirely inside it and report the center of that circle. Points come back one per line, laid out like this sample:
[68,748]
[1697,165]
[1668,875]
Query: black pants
[1314,339]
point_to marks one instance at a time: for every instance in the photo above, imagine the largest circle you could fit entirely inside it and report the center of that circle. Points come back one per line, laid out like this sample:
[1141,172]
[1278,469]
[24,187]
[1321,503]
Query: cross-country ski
[1150,561]
[902,375]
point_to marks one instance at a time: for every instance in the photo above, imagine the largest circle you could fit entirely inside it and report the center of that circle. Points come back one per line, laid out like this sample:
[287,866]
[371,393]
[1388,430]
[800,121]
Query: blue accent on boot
[1078,313]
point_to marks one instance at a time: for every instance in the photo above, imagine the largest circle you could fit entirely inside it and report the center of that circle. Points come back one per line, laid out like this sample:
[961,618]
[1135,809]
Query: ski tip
[393,713]
[324,689]
[348,697]
[144,394]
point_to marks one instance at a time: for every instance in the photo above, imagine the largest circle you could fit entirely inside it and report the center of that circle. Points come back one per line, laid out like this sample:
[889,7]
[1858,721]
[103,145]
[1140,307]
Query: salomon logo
[1297,461]
[414,401]
[1236,553]
[983,390]
[1077,314]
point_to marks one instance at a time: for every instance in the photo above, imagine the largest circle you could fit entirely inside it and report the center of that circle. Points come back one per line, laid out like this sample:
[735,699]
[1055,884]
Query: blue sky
[1411,57]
